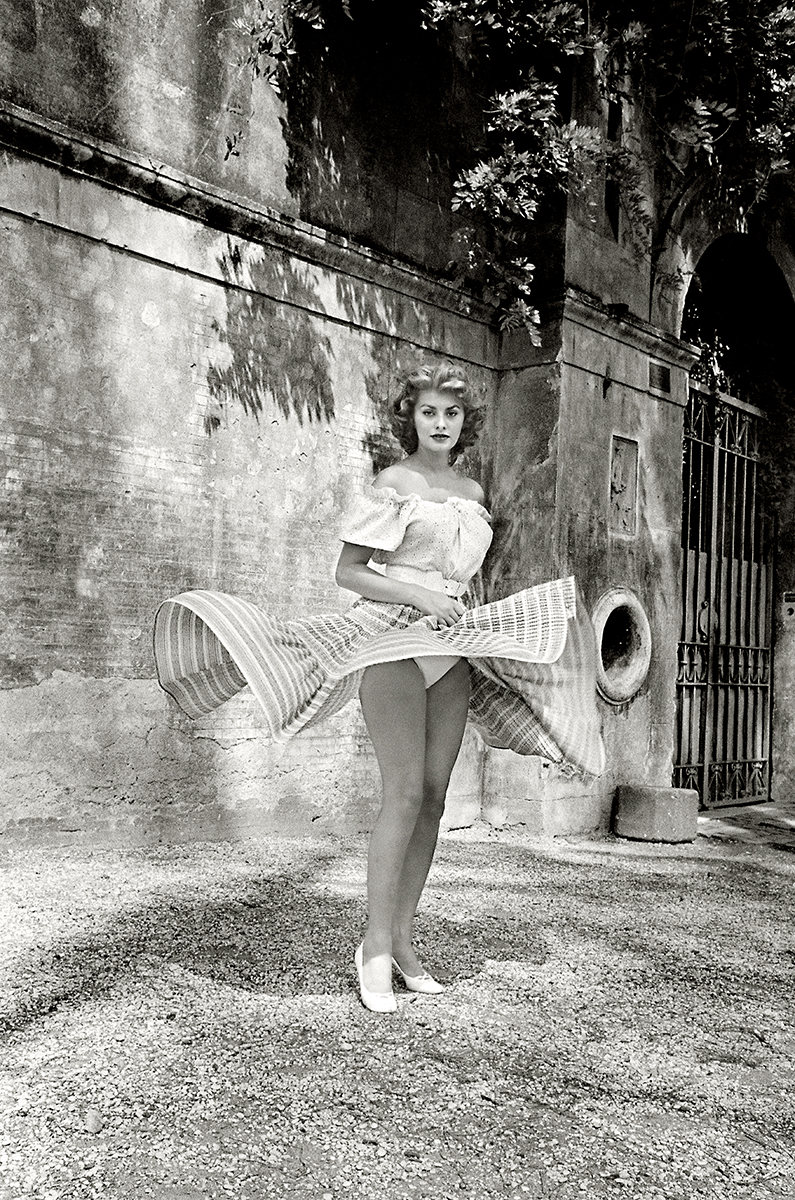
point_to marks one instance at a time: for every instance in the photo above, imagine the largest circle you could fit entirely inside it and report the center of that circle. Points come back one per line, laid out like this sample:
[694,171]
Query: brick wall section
[117,493]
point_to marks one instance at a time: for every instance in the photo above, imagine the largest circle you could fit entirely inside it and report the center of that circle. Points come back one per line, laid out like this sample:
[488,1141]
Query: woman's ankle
[403,952]
[375,944]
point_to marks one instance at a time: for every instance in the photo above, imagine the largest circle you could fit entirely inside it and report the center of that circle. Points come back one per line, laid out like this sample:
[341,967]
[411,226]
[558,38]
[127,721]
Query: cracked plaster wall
[548,457]
[141,457]
[606,381]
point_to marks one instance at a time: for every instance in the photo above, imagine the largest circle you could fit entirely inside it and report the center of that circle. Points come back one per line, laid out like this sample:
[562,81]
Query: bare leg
[447,702]
[393,702]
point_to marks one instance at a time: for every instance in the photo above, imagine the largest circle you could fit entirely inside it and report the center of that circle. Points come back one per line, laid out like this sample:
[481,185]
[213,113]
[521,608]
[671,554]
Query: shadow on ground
[286,934]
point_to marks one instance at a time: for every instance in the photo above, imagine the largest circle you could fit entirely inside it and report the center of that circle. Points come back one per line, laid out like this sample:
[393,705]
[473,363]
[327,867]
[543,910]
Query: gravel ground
[182,1023]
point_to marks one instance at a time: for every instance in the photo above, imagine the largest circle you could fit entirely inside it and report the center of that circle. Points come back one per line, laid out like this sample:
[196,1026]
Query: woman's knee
[404,802]
[434,797]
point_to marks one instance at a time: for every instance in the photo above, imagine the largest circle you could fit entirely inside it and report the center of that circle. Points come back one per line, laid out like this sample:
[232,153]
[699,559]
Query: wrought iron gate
[723,684]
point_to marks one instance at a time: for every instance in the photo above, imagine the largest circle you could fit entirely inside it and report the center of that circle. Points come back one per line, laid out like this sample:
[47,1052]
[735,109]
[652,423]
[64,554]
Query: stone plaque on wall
[624,487]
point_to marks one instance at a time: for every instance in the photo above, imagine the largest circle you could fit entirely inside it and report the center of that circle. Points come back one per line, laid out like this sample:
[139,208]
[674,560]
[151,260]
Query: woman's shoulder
[398,479]
[471,490]
[407,484]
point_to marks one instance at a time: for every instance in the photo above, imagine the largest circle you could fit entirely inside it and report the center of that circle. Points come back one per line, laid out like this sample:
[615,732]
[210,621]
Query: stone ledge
[34,136]
[655,814]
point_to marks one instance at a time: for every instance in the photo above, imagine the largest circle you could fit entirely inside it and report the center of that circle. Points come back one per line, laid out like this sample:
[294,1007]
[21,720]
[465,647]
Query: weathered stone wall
[180,408]
[549,456]
[363,140]
[162,81]
[618,536]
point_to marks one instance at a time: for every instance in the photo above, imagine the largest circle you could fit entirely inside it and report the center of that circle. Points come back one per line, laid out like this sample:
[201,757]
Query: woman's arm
[353,573]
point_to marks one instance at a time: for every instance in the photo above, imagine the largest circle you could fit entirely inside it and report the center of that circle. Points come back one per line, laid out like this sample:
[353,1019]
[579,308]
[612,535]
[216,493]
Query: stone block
[464,793]
[546,799]
[573,814]
[655,814]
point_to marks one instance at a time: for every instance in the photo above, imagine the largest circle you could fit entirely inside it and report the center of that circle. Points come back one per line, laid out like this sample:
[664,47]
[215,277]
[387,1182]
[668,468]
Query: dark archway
[737,474]
[741,313]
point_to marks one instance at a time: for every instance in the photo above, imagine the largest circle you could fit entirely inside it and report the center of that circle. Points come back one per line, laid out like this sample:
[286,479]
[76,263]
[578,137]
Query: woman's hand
[354,573]
[446,609]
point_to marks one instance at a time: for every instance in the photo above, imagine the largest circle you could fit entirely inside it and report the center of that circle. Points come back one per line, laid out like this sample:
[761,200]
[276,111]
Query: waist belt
[433,580]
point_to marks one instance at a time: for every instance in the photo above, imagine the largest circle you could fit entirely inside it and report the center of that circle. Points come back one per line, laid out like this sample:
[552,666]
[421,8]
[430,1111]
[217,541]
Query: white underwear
[434,666]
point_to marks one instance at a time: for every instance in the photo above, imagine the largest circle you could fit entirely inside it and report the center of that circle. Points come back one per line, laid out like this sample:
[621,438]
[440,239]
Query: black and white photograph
[397,600]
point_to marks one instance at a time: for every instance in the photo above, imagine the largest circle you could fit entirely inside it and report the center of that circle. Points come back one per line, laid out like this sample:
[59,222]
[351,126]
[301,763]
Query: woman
[522,668]
[415,709]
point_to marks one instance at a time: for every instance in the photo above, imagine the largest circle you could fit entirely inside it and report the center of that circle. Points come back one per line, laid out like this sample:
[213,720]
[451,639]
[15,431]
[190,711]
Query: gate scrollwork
[723,680]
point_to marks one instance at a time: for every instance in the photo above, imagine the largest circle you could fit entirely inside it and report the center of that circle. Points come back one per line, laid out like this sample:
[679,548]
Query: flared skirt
[532,659]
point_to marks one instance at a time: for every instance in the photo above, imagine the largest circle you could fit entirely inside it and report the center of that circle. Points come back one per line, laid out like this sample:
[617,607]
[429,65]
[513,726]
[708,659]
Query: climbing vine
[712,81]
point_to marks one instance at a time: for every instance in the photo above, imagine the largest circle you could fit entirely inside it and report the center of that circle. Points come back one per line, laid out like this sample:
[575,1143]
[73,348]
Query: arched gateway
[741,313]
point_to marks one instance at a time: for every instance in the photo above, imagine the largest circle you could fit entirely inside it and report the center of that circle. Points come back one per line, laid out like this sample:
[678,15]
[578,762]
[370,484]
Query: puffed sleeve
[378,517]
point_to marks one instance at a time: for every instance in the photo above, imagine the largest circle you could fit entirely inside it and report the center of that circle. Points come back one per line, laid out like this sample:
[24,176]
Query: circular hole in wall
[623,639]
[619,640]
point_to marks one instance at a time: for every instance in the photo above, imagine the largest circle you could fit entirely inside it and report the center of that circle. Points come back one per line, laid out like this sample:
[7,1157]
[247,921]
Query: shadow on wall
[379,119]
[278,352]
[391,360]
[279,349]
[275,346]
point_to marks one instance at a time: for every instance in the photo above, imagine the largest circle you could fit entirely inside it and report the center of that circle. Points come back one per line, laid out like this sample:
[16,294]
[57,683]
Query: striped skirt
[531,657]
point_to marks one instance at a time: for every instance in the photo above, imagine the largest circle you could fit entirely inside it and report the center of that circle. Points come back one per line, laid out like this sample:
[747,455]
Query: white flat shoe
[424,983]
[379,1002]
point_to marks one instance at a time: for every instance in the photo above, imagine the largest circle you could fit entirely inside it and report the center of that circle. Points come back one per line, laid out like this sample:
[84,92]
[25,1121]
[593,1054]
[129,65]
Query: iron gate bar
[723,684]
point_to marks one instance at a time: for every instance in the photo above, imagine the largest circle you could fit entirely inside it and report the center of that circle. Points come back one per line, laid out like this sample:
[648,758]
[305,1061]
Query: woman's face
[438,419]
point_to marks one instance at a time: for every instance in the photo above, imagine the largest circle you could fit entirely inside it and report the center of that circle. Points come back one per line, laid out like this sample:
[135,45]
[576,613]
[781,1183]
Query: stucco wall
[181,407]
[161,80]
[608,395]
[549,451]
[364,137]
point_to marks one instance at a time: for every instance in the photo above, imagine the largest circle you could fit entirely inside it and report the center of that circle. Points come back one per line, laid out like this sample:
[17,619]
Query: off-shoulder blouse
[449,537]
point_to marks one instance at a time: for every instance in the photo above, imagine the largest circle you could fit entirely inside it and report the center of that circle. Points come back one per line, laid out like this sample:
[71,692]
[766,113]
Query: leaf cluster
[716,78]
[268,34]
[714,82]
